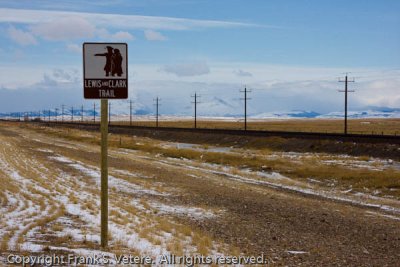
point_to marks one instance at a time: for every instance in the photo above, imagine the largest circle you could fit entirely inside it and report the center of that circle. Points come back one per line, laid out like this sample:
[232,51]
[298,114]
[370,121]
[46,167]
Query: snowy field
[163,205]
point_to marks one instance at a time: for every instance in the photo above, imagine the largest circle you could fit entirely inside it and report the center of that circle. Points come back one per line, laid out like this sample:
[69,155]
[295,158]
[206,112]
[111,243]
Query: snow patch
[194,212]
[296,252]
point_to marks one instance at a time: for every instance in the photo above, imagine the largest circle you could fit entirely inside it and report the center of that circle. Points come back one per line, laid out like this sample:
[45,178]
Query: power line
[245,91]
[195,96]
[346,81]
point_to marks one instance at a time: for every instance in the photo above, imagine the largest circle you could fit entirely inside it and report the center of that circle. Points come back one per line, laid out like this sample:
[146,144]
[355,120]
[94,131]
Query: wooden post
[104,173]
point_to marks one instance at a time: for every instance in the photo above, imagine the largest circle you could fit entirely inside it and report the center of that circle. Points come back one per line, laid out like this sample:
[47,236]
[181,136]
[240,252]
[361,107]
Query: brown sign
[105,70]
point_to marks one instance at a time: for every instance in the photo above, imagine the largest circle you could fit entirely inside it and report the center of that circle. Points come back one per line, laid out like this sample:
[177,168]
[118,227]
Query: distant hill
[215,110]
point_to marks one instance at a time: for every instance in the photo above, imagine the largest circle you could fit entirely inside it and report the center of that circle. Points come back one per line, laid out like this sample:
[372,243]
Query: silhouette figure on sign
[116,63]
[113,61]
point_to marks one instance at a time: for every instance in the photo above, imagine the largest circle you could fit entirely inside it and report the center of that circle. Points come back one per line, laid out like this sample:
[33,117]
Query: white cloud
[64,25]
[187,69]
[21,37]
[74,48]
[122,36]
[243,73]
[274,87]
[34,77]
[380,92]
[30,16]
[154,35]
[66,76]
[64,28]
[118,36]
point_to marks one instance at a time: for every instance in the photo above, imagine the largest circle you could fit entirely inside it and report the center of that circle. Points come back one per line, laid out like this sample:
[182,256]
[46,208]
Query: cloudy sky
[289,53]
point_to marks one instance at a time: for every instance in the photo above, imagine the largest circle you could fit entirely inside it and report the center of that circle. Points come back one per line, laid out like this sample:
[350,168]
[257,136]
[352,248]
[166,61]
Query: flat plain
[377,126]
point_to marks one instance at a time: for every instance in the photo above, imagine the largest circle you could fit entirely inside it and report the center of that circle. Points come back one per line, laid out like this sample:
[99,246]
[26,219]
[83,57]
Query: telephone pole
[94,112]
[195,102]
[56,113]
[157,104]
[72,114]
[245,91]
[62,113]
[130,112]
[346,81]
[82,113]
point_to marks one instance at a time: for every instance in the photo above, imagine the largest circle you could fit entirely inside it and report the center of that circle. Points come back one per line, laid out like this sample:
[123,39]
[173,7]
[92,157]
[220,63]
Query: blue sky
[289,52]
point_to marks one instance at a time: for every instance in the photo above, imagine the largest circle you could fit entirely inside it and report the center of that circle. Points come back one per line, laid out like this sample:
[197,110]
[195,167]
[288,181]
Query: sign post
[105,76]
[104,172]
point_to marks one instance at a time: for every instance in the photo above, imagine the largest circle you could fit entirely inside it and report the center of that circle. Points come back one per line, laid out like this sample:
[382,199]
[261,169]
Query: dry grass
[152,225]
[186,230]
[5,239]
[359,179]
[145,205]
[55,213]
[57,227]
[203,243]
[376,126]
[175,247]
[164,225]
[128,208]
[145,231]
[73,198]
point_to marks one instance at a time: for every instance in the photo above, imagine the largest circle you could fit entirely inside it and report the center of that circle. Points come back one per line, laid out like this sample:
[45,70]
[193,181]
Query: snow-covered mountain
[213,110]
[370,112]
[287,114]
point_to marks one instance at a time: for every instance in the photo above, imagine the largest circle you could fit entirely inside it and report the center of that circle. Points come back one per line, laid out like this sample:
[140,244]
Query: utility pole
[82,113]
[245,91]
[195,96]
[72,114]
[109,113]
[56,114]
[157,104]
[94,112]
[130,112]
[346,81]
[62,113]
